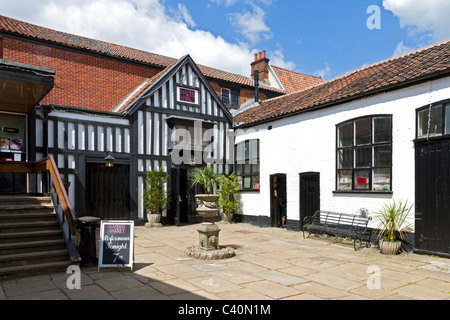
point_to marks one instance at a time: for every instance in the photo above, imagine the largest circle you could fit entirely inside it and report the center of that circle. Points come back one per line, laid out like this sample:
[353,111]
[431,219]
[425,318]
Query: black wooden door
[278,200]
[108,191]
[183,201]
[432,232]
[309,195]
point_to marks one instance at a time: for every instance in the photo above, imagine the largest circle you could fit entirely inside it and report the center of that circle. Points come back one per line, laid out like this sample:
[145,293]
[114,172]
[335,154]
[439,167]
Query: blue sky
[322,37]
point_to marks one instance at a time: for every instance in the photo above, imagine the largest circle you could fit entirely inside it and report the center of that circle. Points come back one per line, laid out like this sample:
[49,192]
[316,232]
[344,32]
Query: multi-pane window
[231,98]
[247,164]
[433,121]
[364,154]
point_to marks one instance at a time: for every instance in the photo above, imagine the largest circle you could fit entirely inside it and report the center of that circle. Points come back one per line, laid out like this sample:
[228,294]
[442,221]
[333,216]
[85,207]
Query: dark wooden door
[309,195]
[278,200]
[183,202]
[108,191]
[432,232]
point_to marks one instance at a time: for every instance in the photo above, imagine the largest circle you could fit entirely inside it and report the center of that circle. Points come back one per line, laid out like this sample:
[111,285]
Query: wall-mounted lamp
[109,160]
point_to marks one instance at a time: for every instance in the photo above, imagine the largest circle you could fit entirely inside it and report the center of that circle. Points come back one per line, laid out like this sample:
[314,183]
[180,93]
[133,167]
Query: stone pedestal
[208,234]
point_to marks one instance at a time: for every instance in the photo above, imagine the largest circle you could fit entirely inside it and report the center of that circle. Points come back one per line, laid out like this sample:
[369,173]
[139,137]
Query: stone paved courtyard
[270,264]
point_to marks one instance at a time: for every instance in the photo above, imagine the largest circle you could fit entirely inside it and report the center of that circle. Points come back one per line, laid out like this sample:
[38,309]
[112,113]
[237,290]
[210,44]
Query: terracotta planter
[390,248]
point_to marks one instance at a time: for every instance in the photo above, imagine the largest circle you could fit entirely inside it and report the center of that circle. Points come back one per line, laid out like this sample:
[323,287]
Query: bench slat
[339,224]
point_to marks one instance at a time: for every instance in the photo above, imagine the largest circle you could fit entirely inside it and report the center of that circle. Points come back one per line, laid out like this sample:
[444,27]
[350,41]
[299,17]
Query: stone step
[29,217]
[31,246]
[29,226]
[6,273]
[33,258]
[23,199]
[26,208]
[25,236]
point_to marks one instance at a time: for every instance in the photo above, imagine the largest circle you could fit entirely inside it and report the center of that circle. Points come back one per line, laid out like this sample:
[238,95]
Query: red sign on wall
[187,96]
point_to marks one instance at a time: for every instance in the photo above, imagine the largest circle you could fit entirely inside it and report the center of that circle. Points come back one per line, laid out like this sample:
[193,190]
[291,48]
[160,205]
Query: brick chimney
[261,64]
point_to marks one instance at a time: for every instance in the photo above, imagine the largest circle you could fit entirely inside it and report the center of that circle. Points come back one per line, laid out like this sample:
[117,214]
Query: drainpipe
[256,78]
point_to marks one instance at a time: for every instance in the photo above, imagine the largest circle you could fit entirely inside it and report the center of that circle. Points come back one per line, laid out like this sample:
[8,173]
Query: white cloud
[143,24]
[401,49]
[148,25]
[324,73]
[429,17]
[251,25]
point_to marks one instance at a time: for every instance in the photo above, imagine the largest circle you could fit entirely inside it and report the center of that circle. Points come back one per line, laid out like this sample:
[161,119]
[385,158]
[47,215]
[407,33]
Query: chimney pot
[264,54]
[259,56]
[256,57]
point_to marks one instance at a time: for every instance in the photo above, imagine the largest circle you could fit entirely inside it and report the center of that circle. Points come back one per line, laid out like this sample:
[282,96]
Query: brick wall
[82,80]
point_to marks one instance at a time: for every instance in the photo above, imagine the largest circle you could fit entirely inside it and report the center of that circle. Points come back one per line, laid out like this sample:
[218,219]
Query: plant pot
[153,220]
[227,217]
[207,206]
[390,248]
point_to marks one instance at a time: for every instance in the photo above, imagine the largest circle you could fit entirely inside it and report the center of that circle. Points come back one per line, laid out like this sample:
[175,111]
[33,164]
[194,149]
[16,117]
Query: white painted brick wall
[307,143]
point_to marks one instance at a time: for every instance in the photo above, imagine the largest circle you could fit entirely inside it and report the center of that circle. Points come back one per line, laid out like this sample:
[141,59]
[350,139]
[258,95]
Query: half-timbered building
[95,101]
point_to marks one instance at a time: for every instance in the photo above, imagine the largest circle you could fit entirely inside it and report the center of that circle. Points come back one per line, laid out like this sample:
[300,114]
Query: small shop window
[247,165]
[433,121]
[364,154]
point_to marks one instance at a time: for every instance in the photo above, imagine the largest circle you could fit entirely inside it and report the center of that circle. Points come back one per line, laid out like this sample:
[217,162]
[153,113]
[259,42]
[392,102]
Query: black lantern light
[109,160]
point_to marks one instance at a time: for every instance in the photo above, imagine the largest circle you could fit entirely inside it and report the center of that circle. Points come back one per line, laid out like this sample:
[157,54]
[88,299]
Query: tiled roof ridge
[435,45]
[348,74]
[330,83]
[304,74]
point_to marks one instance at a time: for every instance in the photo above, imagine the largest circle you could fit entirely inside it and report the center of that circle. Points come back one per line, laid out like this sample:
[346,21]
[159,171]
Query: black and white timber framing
[137,133]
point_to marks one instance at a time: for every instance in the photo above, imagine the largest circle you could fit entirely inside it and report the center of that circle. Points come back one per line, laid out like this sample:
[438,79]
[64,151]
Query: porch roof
[22,86]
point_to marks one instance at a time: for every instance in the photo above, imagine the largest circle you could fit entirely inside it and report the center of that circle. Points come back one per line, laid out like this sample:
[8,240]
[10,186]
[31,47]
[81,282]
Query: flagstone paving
[270,264]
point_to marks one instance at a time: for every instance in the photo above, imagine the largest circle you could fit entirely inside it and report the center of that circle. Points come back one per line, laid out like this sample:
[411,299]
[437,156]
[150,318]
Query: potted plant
[207,206]
[156,197]
[229,197]
[393,226]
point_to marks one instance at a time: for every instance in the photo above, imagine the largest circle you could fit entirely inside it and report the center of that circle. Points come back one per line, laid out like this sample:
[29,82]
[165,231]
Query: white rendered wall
[307,143]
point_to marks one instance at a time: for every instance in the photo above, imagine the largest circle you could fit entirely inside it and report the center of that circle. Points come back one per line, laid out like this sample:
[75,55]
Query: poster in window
[15,145]
[4,142]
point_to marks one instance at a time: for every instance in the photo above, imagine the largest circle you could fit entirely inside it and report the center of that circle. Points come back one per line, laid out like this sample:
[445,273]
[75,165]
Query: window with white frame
[364,154]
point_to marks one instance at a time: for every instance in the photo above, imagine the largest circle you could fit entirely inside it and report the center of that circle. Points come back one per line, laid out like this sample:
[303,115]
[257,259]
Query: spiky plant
[393,222]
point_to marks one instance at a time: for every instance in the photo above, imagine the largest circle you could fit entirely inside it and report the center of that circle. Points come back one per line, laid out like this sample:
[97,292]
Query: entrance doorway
[278,200]
[184,204]
[309,195]
[108,191]
[432,231]
[13,147]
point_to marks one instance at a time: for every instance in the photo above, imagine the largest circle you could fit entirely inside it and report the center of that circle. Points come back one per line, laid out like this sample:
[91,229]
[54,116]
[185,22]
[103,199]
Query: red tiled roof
[294,81]
[16,27]
[411,68]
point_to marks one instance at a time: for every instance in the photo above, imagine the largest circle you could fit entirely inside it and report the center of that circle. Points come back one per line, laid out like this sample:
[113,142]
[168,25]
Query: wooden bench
[339,224]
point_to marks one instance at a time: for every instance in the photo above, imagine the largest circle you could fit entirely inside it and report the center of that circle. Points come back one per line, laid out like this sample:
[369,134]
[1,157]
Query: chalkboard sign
[116,244]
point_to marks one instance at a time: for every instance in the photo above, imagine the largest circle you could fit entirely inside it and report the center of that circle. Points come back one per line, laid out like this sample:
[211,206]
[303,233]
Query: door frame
[273,202]
[432,223]
[303,198]
[81,186]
